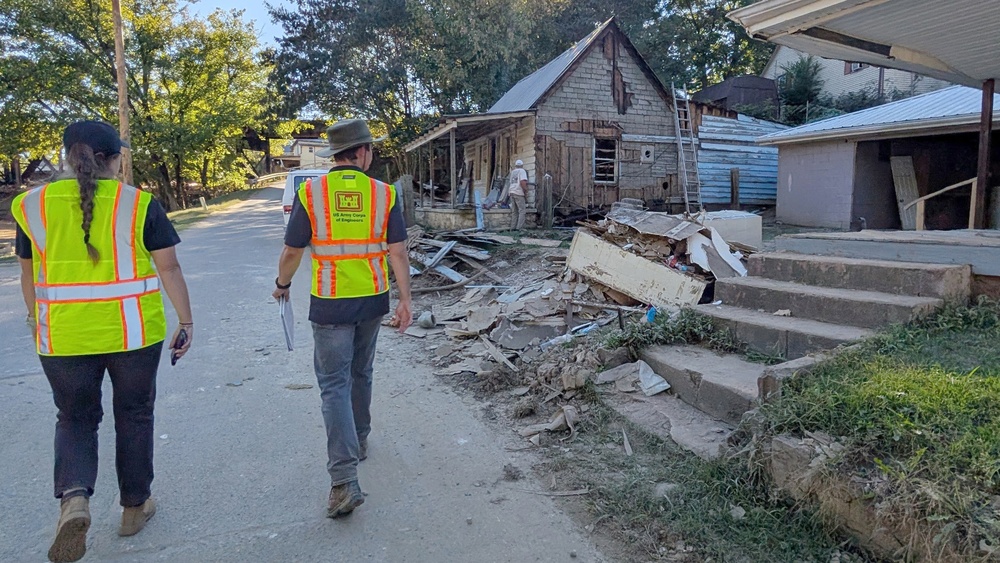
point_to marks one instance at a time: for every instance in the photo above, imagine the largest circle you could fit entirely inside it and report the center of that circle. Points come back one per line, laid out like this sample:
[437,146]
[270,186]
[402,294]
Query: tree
[692,43]
[194,85]
[800,90]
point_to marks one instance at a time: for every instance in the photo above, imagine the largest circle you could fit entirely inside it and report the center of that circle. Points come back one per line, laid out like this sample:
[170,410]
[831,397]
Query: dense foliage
[396,60]
[194,85]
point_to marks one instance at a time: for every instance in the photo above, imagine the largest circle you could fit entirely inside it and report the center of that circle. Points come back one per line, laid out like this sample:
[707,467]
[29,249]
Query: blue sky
[253,10]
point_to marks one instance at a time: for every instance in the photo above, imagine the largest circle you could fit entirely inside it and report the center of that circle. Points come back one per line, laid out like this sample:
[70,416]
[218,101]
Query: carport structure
[954,40]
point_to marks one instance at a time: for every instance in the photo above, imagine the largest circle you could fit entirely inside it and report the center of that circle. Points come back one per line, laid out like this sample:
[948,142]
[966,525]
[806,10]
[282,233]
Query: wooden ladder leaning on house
[687,151]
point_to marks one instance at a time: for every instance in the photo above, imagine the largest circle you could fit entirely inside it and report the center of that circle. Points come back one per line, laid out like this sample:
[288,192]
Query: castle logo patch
[348,201]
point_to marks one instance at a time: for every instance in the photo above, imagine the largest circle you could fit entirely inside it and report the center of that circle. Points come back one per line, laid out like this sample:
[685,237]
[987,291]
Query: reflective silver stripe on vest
[132,319]
[97,292]
[128,198]
[335,250]
[326,278]
[44,346]
[381,204]
[319,209]
[381,284]
[32,203]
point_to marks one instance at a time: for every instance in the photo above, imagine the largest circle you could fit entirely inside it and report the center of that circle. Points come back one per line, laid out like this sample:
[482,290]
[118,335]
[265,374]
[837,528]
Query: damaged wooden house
[593,126]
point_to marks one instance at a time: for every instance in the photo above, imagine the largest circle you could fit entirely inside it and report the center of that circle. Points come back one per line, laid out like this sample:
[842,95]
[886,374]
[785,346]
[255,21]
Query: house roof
[954,40]
[523,95]
[951,110]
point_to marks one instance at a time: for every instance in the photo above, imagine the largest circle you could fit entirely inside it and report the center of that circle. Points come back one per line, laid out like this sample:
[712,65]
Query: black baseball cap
[101,137]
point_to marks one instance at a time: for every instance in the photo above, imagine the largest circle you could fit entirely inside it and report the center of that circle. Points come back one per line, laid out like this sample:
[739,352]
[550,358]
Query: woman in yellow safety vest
[88,245]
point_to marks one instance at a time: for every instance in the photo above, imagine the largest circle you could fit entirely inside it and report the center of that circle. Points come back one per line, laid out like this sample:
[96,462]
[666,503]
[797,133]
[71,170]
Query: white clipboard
[287,320]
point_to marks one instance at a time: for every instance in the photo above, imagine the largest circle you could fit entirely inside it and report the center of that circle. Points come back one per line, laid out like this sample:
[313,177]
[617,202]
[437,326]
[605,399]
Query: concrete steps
[852,307]
[723,386]
[832,300]
[898,278]
[788,337]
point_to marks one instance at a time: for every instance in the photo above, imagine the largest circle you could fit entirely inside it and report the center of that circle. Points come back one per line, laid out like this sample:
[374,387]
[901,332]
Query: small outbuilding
[861,170]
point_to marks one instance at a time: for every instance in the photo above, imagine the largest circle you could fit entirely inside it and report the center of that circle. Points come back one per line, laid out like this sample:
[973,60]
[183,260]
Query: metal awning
[954,40]
[468,127]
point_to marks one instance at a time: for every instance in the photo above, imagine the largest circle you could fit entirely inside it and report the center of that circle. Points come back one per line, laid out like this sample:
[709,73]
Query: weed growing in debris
[684,327]
[669,504]
[918,408]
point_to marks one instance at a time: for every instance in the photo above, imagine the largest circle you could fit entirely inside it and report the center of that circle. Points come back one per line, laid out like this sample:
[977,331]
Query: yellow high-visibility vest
[81,307]
[349,213]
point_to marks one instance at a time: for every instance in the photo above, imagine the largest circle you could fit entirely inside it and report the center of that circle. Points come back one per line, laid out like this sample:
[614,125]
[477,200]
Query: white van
[296,178]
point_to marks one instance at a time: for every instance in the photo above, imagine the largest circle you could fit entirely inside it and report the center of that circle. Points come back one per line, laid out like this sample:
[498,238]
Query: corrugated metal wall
[725,144]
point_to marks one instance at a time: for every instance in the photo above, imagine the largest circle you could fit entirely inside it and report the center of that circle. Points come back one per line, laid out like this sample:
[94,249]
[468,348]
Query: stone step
[899,278]
[723,386]
[787,337]
[852,307]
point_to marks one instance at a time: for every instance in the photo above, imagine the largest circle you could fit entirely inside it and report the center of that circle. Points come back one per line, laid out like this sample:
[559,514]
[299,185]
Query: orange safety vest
[349,214]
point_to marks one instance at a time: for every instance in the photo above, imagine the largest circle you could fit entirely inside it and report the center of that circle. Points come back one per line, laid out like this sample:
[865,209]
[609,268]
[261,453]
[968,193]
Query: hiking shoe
[362,449]
[134,518]
[71,531]
[344,499]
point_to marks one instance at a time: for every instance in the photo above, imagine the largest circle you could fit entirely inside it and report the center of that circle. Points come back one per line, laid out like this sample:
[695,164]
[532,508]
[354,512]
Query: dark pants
[343,357]
[76,389]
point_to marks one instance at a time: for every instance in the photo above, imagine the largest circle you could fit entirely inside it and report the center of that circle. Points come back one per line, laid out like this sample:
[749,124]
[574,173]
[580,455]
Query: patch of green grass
[918,409]
[684,327]
[186,217]
[695,504]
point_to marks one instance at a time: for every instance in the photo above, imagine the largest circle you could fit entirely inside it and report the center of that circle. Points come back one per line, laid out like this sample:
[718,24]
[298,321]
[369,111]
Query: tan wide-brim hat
[347,134]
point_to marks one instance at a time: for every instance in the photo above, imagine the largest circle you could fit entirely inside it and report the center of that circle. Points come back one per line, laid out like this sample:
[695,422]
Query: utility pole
[116,8]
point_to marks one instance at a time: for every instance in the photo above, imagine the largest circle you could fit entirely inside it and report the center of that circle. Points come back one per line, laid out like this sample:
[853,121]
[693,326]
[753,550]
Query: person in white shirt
[517,187]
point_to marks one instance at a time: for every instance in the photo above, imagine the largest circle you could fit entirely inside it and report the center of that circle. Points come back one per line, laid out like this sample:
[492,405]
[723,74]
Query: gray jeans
[343,358]
[518,207]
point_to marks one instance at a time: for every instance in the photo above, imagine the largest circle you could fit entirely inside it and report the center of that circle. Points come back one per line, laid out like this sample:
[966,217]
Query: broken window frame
[604,160]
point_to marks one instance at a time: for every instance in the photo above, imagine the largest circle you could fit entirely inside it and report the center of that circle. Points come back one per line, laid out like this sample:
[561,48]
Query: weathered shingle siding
[816,183]
[586,95]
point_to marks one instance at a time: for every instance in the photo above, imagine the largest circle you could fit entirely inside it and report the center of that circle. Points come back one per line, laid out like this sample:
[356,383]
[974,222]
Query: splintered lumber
[482,269]
[468,251]
[441,254]
[443,270]
[497,354]
[632,275]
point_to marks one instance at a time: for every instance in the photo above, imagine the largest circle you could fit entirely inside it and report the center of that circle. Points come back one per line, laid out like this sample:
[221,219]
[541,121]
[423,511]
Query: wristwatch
[279,286]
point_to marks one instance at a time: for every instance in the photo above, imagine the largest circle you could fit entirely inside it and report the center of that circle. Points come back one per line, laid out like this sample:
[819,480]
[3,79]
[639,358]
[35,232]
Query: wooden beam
[451,161]
[734,188]
[985,147]
[430,170]
[123,111]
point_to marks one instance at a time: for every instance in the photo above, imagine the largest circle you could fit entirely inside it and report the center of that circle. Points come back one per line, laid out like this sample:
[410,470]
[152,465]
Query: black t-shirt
[157,233]
[350,310]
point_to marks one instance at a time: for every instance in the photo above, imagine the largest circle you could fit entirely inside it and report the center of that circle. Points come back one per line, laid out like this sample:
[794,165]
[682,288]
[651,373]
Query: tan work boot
[134,518]
[71,532]
[344,499]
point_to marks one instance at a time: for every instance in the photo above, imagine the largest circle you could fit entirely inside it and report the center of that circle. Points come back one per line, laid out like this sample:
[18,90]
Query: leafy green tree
[691,43]
[194,85]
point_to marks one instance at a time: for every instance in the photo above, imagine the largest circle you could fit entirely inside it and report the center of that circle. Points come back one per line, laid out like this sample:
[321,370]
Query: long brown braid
[88,167]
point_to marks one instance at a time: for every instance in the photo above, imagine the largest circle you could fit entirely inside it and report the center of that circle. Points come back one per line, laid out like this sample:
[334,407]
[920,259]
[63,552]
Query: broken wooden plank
[468,251]
[476,265]
[548,243]
[632,275]
[497,354]
[441,254]
[445,271]
[480,223]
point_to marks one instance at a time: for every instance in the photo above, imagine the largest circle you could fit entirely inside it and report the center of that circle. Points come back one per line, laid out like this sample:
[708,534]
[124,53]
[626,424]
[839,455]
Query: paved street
[240,458]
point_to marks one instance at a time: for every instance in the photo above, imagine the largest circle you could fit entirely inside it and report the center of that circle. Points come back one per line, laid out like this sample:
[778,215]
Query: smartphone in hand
[182,338]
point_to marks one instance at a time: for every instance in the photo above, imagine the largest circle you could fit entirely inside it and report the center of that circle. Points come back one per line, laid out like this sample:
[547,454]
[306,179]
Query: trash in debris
[298,386]
[649,382]
[783,313]
[426,320]
[234,384]
[564,419]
